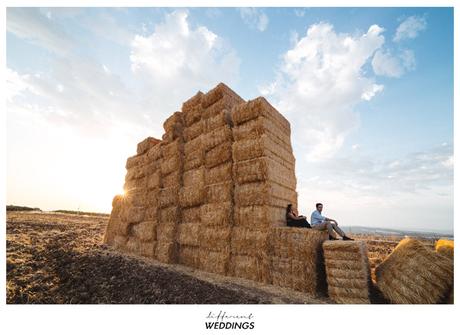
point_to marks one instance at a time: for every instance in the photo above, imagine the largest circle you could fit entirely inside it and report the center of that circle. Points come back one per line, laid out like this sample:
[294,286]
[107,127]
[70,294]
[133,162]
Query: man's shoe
[332,238]
[346,238]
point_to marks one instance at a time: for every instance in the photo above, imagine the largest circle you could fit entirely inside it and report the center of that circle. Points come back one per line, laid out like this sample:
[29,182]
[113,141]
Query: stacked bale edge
[132,224]
[264,178]
[446,248]
[348,271]
[414,274]
[217,209]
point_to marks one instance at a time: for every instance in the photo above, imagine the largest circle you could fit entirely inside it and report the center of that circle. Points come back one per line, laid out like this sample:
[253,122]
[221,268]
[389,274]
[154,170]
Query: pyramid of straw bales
[348,272]
[414,274]
[212,194]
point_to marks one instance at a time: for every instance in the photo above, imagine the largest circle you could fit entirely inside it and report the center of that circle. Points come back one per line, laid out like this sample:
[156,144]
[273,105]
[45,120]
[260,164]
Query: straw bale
[219,174]
[188,256]
[135,184]
[262,169]
[259,216]
[117,202]
[194,177]
[264,193]
[165,252]
[222,192]
[135,172]
[193,131]
[147,249]
[112,229]
[135,198]
[345,285]
[247,241]
[169,214]
[217,136]
[135,161]
[192,102]
[255,128]
[171,149]
[220,119]
[216,239]
[151,213]
[214,261]
[281,272]
[171,122]
[153,181]
[194,160]
[250,267]
[119,242]
[168,196]
[133,245]
[165,231]
[191,215]
[414,274]
[173,179]
[263,146]
[151,167]
[133,214]
[144,231]
[146,144]
[171,164]
[191,196]
[193,145]
[193,115]
[259,107]
[217,93]
[188,234]
[445,247]
[154,153]
[217,214]
[297,243]
[219,155]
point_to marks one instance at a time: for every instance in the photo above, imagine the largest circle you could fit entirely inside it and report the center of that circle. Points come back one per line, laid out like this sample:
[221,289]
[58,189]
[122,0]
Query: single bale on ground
[445,247]
[414,274]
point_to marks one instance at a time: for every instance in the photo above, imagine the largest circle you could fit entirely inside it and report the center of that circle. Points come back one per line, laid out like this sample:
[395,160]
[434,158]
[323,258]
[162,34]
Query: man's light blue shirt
[317,218]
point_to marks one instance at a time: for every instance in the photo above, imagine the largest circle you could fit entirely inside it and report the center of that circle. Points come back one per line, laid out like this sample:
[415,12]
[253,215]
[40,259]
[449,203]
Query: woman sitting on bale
[294,220]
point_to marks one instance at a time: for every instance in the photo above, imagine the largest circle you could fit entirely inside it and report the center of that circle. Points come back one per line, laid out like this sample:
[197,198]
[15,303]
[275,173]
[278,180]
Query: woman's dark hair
[288,209]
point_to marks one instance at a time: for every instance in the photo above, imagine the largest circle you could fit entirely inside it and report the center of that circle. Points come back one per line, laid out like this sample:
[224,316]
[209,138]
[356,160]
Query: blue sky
[368,92]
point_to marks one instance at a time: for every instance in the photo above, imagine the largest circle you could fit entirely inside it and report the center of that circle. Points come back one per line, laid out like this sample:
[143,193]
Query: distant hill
[394,232]
[21,208]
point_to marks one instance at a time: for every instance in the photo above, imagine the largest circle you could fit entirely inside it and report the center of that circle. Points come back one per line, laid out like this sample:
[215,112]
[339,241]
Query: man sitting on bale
[321,222]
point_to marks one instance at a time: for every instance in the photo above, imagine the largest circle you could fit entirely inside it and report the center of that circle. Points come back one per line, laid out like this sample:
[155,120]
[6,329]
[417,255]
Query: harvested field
[60,259]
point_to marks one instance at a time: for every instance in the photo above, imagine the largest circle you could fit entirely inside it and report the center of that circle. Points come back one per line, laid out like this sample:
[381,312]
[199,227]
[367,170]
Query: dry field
[56,258]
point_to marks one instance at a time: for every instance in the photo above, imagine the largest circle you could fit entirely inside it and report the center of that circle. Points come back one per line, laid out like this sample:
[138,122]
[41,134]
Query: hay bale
[151,213]
[135,172]
[256,108]
[171,123]
[153,181]
[133,214]
[222,192]
[168,196]
[119,242]
[171,149]
[132,245]
[255,128]
[217,136]
[247,241]
[193,131]
[154,153]
[254,268]
[192,102]
[220,119]
[169,214]
[218,93]
[147,249]
[188,234]
[135,161]
[414,274]
[445,247]
[219,174]
[263,169]
[188,256]
[217,214]
[216,239]
[193,145]
[191,215]
[214,261]
[193,160]
[165,252]
[218,155]
[194,177]
[259,216]
[348,284]
[146,144]
[133,185]
[191,196]
[173,179]
[135,198]
[145,231]
[263,146]
[165,231]
[171,164]
[264,193]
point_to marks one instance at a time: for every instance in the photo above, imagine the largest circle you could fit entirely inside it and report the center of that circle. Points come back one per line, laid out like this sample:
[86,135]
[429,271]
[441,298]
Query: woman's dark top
[293,221]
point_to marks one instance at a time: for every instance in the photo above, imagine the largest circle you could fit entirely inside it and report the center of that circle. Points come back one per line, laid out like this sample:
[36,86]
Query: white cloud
[409,28]
[320,81]
[177,59]
[255,18]
[385,63]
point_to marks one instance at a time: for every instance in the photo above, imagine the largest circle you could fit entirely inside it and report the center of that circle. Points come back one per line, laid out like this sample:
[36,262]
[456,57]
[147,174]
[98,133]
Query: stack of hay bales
[191,194]
[348,271]
[414,274]
[132,226]
[295,257]
[264,177]
[217,209]
[171,169]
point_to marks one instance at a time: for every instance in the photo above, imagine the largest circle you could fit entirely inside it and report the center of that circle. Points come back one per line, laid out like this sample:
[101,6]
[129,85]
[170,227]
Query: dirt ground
[56,258]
